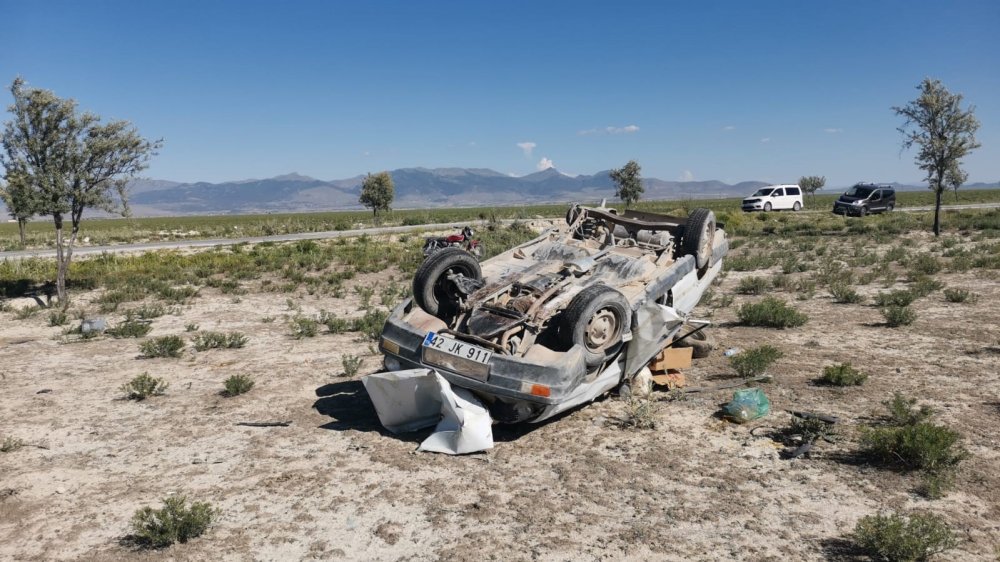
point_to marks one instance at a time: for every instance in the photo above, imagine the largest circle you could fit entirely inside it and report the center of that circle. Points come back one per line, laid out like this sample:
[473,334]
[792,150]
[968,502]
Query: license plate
[457,356]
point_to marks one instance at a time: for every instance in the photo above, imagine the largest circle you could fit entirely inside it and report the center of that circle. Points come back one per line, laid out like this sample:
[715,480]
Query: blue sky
[710,90]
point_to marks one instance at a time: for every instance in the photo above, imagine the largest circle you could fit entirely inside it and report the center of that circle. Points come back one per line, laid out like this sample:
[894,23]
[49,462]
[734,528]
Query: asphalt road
[211,243]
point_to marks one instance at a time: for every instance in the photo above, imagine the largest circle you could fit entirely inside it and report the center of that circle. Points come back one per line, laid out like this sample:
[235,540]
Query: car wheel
[797,206]
[572,214]
[432,290]
[701,343]
[699,236]
[890,207]
[862,211]
[596,319]
[767,207]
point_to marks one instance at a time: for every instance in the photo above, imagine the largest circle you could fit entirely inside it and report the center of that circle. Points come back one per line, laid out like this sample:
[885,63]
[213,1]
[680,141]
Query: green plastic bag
[748,404]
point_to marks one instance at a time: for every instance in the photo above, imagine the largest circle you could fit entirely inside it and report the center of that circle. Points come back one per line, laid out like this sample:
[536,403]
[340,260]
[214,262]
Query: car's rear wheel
[767,207]
[862,211]
[596,319]
[890,207]
[432,290]
[699,236]
[797,206]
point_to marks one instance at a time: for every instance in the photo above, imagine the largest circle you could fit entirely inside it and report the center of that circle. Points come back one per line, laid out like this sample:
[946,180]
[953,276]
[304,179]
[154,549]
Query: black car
[866,198]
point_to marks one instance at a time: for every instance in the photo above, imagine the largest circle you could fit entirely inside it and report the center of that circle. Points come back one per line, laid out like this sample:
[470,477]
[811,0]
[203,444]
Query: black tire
[699,236]
[572,214]
[767,207]
[431,289]
[702,343]
[797,206]
[890,207]
[596,319]
[863,211]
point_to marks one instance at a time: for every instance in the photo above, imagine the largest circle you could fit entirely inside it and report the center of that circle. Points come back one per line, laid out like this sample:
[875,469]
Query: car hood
[849,199]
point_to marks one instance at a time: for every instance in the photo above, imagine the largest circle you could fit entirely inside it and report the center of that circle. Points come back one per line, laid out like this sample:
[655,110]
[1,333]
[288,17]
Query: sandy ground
[334,485]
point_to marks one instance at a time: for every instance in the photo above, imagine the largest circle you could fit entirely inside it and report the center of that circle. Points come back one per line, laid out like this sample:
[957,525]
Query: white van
[774,198]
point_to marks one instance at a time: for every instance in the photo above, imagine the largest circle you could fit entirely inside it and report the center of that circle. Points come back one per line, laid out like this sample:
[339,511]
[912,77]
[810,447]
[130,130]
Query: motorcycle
[464,240]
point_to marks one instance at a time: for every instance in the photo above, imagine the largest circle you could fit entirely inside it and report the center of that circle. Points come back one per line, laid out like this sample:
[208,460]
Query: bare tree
[944,133]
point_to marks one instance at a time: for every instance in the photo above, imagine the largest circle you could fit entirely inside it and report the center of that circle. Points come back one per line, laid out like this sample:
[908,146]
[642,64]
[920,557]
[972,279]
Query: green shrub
[163,346]
[925,264]
[26,312]
[770,313]
[143,386]
[334,324]
[370,325]
[755,361]
[960,295]
[58,318]
[900,297]
[191,327]
[130,328]
[843,374]
[303,327]
[147,312]
[351,364]
[903,411]
[218,340]
[10,444]
[178,295]
[175,522]
[844,293]
[900,538]
[752,286]
[896,316]
[639,414]
[923,286]
[237,384]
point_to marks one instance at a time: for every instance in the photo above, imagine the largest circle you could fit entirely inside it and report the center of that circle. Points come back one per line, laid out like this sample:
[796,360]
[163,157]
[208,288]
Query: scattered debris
[266,424]
[96,325]
[747,404]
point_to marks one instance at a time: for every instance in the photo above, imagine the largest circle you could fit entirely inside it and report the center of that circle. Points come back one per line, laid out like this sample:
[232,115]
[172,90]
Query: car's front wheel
[432,290]
[596,319]
[767,207]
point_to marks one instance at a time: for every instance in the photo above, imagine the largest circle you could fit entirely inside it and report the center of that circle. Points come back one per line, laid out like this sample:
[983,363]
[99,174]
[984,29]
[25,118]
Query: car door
[778,198]
[876,202]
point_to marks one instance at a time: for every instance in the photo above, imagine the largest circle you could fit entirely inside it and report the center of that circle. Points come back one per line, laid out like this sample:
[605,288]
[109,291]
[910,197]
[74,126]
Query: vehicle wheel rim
[602,329]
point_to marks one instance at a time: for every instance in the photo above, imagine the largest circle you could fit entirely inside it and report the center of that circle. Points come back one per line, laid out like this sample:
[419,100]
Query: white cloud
[545,164]
[833,131]
[527,147]
[686,175]
[765,139]
[729,128]
[627,129]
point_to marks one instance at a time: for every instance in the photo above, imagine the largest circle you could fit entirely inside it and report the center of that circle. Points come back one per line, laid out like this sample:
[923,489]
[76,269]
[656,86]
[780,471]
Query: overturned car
[559,320]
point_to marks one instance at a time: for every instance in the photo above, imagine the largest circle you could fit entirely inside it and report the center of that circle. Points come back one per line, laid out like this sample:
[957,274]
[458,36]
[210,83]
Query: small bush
[334,324]
[896,316]
[130,328]
[143,386]
[370,325]
[844,293]
[191,327]
[752,286]
[923,286]
[770,313]
[58,318]
[217,340]
[925,264]
[843,374]
[303,327]
[164,346]
[960,295]
[351,364]
[903,411]
[175,522]
[639,414]
[10,444]
[26,312]
[900,538]
[147,312]
[900,297]
[755,361]
[178,295]
[237,384]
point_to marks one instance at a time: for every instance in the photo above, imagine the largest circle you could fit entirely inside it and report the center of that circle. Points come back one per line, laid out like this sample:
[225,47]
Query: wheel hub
[601,329]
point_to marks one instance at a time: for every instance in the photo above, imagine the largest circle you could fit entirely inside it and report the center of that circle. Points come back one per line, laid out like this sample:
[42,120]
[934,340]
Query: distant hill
[415,188]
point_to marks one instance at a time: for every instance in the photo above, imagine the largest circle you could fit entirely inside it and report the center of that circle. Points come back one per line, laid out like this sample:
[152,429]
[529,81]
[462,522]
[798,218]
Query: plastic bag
[748,404]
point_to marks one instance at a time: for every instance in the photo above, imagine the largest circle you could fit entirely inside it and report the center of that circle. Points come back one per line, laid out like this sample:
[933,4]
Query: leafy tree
[71,162]
[377,192]
[20,199]
[812,184]
[628,183]
[943,132]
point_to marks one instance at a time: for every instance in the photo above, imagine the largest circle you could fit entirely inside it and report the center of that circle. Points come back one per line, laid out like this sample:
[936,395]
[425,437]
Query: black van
[865,198]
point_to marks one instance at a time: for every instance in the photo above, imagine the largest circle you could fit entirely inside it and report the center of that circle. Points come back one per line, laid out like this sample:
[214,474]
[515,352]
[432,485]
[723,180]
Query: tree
[71,162]
[944,133]
[20,199]
[377,192]
[628,183]
[812,184]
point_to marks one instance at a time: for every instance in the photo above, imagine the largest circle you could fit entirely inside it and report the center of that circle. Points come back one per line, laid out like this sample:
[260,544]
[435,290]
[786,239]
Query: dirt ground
[335,485]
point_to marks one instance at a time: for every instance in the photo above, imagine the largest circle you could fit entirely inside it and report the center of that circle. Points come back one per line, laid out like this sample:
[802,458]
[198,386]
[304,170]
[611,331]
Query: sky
[730,91]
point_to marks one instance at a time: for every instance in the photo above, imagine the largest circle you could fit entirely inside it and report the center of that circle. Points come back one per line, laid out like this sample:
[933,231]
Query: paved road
[185,244]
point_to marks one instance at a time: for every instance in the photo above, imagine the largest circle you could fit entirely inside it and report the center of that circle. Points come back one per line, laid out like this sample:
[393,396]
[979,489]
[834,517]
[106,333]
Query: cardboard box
[672,358]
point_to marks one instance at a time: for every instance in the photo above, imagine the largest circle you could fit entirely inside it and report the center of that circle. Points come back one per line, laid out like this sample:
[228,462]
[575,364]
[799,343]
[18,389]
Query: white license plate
[457,356]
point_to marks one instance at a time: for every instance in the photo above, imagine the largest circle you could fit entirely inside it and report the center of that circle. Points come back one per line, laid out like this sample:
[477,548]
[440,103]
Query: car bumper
[842,209]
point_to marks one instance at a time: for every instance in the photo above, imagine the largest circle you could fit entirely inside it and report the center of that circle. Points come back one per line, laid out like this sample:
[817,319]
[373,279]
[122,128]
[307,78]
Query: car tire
[863,211]
[701,343]
[890,207]
[572,214]
[767,207]
[596,319]
[797,206]
[431,289]
[699,236]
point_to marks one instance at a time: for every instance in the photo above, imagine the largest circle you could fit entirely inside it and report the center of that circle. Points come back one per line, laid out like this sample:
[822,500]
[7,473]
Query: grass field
[114,231]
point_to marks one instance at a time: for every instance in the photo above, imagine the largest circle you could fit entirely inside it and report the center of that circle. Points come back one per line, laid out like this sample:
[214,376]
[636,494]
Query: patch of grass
[26,312]
[237,384]
[754,362]
[191,327]
[218,340]
[370,325]
[303,327]
[351,365]
[177,295]
[903,411]
[147,312]
[58,318]
[163,346]
[843,374]
[900,297]
[961,295]
[333,323]
[925,264]
[770,313]
[904,538]
[130,328]
[844,293]
[923,286]
[174,522]
[10,444]
[896,316]
[753,286]
[639,414]
[143,386]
